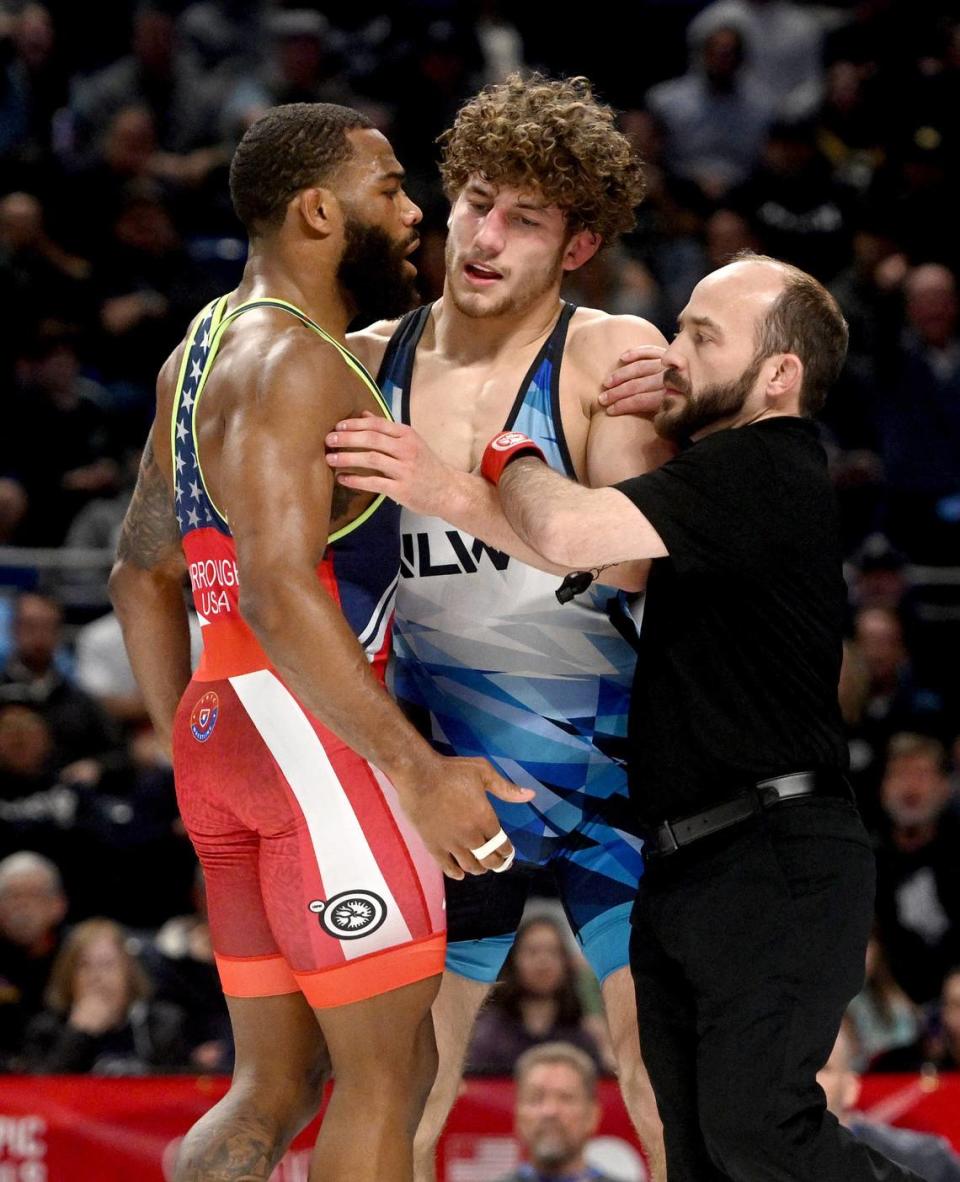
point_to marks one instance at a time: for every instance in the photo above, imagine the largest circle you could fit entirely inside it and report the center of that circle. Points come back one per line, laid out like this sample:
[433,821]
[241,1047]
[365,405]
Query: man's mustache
[672,378]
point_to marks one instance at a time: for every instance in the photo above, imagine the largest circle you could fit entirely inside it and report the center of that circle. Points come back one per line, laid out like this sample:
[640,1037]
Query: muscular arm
[410,473]
[277,490]
[278,493]
[583,528]
[146,583]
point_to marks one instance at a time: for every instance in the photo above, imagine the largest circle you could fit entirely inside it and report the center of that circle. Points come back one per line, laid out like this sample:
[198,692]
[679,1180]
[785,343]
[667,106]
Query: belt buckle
[671,845]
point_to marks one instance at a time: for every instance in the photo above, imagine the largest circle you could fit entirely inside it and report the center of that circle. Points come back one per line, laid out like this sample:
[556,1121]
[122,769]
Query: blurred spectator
[32,908]
[156,75]
[223,32]
[61,443]
[914,193]
[877,577]
[32,88]
[851,124]
[894,700]
[944,1047]
[869,292]
[127,830]
[500,43]
[13,510]
[39,278]
[103,668]
[784,48]
[727,233]
[31,678]
[918,871]
[918,421]
[99,1018]
[616,283]
[102,822]
[669,221]
[535,1002]
[148,289]
[881,1014]
[557,1112]
[302,67]
[435,65]
[799,211]
[714,118]
[930,1157]
[180,961]
[97,525]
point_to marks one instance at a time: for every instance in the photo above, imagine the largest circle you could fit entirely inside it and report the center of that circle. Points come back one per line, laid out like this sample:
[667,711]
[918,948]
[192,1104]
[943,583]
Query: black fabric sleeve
[706,504]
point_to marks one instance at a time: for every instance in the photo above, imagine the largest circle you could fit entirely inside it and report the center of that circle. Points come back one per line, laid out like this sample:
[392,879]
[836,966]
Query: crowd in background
[826,136]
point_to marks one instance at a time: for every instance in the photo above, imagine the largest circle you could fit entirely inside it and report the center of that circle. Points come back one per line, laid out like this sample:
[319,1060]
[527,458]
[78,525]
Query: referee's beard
[695,411]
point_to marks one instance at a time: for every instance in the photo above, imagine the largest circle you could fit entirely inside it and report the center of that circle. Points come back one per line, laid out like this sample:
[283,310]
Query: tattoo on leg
[231,1147]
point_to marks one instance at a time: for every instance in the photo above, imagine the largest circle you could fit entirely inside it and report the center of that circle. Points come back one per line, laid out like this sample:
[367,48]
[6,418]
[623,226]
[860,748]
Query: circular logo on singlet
[350,914]
[204,716]
[508,439]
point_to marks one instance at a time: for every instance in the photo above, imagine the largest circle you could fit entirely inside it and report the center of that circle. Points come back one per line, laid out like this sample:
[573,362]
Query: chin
[477,304]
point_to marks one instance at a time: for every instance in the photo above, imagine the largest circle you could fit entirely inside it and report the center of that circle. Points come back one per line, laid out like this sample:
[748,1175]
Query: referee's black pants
[746,948]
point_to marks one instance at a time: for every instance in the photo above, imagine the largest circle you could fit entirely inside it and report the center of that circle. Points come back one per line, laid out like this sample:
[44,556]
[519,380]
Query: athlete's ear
[319,209]
[580,249]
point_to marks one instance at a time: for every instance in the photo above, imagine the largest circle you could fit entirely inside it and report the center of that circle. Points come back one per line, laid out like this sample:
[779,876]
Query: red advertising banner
[91,1129]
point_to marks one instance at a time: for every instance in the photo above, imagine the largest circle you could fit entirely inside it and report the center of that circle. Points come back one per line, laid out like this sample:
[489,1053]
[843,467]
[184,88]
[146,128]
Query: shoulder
[597,339]
[281,365]
[370,344]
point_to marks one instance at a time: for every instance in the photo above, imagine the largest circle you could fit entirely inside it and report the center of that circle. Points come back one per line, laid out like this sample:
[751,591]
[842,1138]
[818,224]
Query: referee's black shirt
[741,639]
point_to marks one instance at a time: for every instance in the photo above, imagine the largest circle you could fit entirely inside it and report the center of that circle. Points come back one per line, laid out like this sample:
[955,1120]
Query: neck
[743,419]
[910,838]
[566,1171]
[469,339]
[539,1013]
[275,269]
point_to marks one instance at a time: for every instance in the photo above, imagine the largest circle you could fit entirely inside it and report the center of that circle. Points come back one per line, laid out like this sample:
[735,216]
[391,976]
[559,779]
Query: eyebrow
[489,191]
[701,322]
[394,174]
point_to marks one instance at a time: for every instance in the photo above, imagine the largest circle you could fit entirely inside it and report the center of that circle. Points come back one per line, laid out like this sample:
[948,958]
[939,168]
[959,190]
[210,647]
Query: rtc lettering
[462,559]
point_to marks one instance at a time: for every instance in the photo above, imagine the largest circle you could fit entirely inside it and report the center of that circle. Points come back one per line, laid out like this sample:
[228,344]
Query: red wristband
[503,448]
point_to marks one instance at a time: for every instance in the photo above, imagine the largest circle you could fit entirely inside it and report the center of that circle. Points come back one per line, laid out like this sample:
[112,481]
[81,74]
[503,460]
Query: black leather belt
[674,835]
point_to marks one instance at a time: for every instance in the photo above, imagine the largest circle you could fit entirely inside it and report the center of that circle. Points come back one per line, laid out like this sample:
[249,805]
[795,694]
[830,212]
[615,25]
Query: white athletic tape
[506,865]
[495,842]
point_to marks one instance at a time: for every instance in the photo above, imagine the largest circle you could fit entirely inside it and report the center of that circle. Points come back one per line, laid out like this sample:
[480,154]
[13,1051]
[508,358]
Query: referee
[752,920]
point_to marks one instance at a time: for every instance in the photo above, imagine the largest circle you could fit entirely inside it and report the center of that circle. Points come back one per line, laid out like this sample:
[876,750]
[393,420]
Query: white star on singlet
[205,340]
[194,490]
[181,432]
[195,370]
[188,399]
[181,463]
[193,517]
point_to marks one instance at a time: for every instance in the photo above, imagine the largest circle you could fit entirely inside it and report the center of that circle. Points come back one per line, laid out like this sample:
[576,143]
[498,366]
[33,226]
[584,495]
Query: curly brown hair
[552,137]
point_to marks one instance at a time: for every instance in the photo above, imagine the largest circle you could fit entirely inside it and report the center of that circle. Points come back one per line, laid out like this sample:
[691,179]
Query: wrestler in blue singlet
[488,663]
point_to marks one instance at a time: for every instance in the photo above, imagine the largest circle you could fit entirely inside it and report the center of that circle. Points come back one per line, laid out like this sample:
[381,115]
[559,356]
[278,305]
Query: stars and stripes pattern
[194,508]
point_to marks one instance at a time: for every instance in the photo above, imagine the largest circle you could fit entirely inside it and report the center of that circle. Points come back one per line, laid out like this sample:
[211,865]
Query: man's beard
[479,305]
[551,1151]
[372,272]
[722,400]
